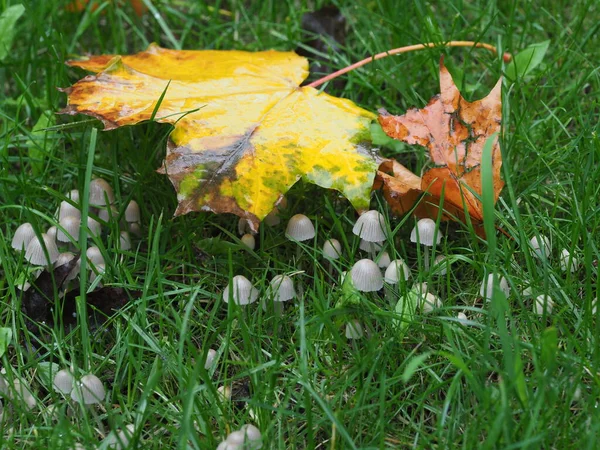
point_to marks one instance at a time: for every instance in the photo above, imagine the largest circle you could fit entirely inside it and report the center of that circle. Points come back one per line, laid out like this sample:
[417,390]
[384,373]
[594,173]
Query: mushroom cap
[101,193]
[541,246]
[94,255]
[249,241]
[252,434]
[118,440]
[300,228]
[124,240]
[430,302]
[395,270]
[135,228]
[332,249]
[441,264]
[366,276]
[282,288]
[354,330]
[543,303]
[487,286]
[236,438]
[88,390]
[383,260]
[243,293]
[52,232]
[66,209]
[66,258]
[211,355]
[63,381]
[370,226]
[73,195]
[565,256]
[371,247]
[462,317]
[108,213]
[132,212]
[423,233]
[96,271]
[20,391]
[34,253]
[94,227]
[71,224]
[23,236]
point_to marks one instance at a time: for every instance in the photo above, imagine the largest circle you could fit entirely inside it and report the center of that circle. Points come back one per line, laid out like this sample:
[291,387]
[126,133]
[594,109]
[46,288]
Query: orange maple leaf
[455,131]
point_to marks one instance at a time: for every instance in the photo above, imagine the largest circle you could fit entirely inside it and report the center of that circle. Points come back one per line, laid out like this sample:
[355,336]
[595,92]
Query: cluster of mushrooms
[57,246]
[378,271]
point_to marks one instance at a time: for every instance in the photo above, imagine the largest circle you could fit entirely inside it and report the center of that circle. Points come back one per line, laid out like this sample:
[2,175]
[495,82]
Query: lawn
[506,377]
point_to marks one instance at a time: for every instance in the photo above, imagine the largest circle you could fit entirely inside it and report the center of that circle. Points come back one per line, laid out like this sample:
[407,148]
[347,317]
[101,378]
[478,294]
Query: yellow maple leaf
[244,131]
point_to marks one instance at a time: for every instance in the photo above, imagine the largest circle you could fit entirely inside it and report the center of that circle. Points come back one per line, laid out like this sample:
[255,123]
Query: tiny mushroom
[52,232]
[66,209]
[66,258]
[211,355]
[241,291]
[396,271]
[253,436]
[332,249]
[370,226]
[366,276]
[487,286]
[424,233]
[23,235]
[89,390]
[543,304]
[101,193]
[108,213]
[354,330]
[249,241]
[94,255]
[383,261]
[94,227]
[132,212]
[124,240]
[96,271]
[36,250]
[63,381]
[21,392]
[71,226]
[541,246]
[282,288]
[300,228]
[568,263]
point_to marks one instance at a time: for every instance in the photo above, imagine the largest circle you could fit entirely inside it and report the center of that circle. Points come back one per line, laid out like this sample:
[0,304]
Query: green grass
[511,379]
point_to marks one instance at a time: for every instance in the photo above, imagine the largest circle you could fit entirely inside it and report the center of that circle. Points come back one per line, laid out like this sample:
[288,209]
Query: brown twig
[507,57]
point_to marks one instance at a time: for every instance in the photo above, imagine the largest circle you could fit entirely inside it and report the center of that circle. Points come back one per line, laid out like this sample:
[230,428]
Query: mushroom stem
[426,257]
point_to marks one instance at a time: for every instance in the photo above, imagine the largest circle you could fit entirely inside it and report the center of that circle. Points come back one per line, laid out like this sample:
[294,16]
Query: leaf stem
[410,48]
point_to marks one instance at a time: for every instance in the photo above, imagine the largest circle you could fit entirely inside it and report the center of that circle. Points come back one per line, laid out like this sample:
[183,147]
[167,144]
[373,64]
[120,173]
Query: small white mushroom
[96,271]
[71,226]
[354,330]
[249,241]
[94,255]
[119,440]
[23,236]
[366,276]
[66,209]
[384,260]
[487,286]
[132,212]
[21,392]
[241,291]
[101,193]
[253,436]
[543,304]
[135,228]
[332,249]
[440,264]
[124,241]
[430,303]
[63,381]
[94,227]
[300,228]
[108,213]
[52,232]
[424,233]
[211,355]
[35,252]
[89,390]
[66,258]
[282,288]
[541,246]
[370,226]
[568,263]
[396,271]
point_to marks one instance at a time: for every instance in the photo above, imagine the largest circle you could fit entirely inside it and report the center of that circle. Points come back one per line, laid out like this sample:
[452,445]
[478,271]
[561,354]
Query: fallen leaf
[244,131]
[80,5]
[455,132]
